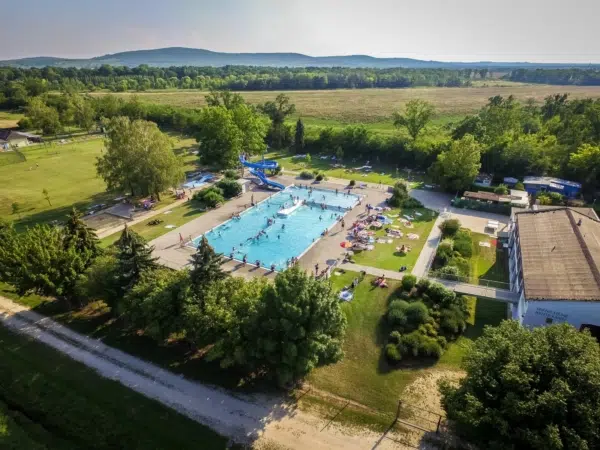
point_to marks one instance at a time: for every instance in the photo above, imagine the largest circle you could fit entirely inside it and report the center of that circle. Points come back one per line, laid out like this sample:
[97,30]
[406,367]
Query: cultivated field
[9,119]
[376,105]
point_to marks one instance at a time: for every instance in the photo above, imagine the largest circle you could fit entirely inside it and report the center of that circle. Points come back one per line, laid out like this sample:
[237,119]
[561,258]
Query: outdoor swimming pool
[288,236]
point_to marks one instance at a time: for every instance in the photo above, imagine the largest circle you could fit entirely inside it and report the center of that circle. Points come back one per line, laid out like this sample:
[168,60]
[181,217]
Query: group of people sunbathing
[380,282]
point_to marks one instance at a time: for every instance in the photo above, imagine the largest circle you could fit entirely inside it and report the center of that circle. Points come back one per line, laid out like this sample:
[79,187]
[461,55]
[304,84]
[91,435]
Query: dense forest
[581,77]
[143,77]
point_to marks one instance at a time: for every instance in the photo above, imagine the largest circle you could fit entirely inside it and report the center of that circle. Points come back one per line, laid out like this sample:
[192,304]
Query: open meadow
[67,172]
[375,106]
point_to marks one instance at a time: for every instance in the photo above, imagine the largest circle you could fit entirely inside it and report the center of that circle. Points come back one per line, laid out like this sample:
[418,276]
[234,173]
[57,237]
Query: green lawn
[178,216]
[67,172]
[385,256]
[488,263]
[48,400]
[364,375]
[381,173]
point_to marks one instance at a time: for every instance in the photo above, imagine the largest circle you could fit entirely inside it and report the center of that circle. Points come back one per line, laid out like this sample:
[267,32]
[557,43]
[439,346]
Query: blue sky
[450,30]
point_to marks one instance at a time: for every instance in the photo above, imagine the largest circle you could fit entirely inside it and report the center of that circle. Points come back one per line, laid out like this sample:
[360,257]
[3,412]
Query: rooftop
[486,196]
[560,251]
[550,180]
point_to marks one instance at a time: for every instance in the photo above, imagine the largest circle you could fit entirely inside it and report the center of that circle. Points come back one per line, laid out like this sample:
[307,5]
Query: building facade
[554,260]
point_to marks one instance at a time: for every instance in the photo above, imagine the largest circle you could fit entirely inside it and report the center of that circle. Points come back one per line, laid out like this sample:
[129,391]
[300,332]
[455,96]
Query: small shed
[244,183]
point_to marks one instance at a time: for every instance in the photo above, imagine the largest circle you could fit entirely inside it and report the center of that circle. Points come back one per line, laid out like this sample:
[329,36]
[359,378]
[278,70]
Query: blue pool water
[196,183]
[303,227]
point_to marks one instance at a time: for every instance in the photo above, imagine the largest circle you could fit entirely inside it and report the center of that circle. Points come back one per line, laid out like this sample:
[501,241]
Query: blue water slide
[261,176]
[265,164]
[257,169]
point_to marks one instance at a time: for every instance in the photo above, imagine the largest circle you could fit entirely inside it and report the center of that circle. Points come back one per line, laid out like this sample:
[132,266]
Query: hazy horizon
[464,30]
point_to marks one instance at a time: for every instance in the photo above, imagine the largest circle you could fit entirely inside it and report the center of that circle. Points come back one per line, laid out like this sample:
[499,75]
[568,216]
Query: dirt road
[245,419]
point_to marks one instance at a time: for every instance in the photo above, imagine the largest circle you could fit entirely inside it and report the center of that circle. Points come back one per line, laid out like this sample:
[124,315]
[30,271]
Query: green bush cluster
[423,320]
[307,175]
[231,174]
[401,199]
[451,258]
[231,188]
[211,197]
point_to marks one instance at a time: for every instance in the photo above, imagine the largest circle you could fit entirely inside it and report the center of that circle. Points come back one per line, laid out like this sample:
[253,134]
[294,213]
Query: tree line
[567,76]
[239,78]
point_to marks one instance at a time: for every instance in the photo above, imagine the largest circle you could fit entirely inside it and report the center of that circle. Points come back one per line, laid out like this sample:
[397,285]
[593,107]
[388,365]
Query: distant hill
[181,56]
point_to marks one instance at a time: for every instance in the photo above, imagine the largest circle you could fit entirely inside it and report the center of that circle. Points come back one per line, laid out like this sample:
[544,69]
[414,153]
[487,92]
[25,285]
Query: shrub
[556,198]
[277,170]
[449,272]
[319,176]
[450,227]
[453,320]
[408,282]
[520,186]
[352,183]
[440,295]
[399,195]
[412,203]
[423,285]
[462,264]
[395,337]
[306,175]
[417,313]
[231,174]
[463,244]
[501,189]
[230,188]
[210,197]
[392,353]
[544,199]
[444,253]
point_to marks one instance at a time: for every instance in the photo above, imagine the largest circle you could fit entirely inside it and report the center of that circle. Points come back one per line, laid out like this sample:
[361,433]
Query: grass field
[381,173]
[488,263]
[48,400]
[67,171]
[364,374]
[9,119]
[377,105]
[178,216]
[385,256]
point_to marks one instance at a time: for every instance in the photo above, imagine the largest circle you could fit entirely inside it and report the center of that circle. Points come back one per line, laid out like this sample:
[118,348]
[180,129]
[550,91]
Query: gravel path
[256,419]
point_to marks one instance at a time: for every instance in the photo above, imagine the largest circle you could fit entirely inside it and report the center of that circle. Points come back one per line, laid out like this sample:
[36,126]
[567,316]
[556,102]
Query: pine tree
[206,268]
[299,137]
[134,258]
[82,237]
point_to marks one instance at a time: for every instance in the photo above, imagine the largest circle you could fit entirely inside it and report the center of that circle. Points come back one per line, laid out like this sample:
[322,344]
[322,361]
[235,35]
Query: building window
[548,320]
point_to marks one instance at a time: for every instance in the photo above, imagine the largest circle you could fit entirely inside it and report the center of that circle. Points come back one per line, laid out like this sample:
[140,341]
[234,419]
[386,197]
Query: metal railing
[470,280]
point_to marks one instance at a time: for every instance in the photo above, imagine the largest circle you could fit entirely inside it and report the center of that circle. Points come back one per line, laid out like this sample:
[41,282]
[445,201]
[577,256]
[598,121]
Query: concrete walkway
[427,254]
[476,290]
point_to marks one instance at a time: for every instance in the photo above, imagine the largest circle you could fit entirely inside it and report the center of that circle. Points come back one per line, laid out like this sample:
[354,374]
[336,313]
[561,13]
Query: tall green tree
[586,165]
[253,126]
[528,388]
[134,259]
[221,140]
[44,263]
[206,269]
[82,237]
[278,111]
[83,111]
[298,326]
[42,116]
[456,168]
[8,237]
[228,99]
[138,157]
[156,303]
[417,114]
[299,136]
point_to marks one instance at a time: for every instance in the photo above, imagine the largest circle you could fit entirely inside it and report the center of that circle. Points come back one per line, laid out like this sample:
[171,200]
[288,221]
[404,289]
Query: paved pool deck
[325,251]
